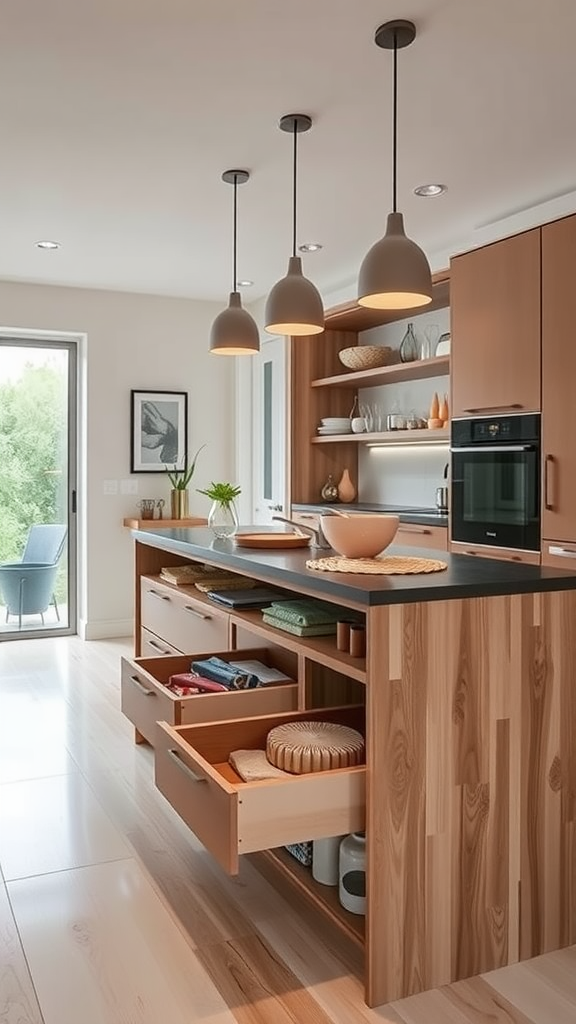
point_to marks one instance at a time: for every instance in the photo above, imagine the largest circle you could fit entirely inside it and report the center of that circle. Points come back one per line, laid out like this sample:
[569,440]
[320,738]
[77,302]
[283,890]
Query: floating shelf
[388,437]
[160,524]
[421,369]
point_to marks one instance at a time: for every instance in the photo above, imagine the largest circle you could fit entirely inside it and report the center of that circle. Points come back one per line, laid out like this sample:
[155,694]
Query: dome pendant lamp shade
[234,332]
[294,306]
[395,273]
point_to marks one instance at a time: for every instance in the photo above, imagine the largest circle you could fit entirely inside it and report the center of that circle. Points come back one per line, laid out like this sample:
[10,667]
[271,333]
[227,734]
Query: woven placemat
[386,566]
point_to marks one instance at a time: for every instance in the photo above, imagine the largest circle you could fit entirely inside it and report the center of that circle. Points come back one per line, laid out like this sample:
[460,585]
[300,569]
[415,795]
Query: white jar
[352,873]
[325,860]
[358,424]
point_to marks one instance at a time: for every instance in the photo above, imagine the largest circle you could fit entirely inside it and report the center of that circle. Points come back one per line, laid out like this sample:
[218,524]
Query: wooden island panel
[471,801]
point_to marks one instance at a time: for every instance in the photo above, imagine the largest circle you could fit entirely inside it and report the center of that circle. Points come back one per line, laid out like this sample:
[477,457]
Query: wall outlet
[128,487]
[110,487]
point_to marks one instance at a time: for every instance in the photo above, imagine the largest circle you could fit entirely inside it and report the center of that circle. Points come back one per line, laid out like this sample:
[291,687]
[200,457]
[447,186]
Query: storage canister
[352,871]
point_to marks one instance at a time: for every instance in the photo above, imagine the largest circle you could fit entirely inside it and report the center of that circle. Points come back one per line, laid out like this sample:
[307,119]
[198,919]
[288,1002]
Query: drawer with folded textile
[231,816]
[187,621]
[148,695]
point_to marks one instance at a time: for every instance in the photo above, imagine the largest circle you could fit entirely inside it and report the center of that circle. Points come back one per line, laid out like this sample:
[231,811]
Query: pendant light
[234,332]
[395,273]
[294,305]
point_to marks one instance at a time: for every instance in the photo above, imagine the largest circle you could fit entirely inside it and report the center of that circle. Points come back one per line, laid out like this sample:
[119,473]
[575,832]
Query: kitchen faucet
[318,540]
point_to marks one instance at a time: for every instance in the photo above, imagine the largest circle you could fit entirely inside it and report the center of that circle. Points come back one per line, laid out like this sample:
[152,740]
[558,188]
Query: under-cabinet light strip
[423,445]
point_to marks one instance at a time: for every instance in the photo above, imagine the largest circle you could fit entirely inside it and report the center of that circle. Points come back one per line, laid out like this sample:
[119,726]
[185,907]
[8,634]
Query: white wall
[131,341]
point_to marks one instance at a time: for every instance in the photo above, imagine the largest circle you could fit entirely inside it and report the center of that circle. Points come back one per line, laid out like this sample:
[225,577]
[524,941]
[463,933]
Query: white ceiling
[117,118]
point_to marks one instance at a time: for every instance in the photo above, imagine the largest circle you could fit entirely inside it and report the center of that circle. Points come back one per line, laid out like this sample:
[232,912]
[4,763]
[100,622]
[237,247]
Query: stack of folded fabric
[305,617]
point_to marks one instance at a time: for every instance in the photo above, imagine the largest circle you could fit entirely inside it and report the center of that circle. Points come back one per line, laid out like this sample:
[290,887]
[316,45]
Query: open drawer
[146,700]
[230,816]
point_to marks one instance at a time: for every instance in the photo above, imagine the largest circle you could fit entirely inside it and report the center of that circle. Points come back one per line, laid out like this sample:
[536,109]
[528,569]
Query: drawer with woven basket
[231,816]
[146,699]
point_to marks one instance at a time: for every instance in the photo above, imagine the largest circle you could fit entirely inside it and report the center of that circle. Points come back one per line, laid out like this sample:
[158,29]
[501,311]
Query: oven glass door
[496,496]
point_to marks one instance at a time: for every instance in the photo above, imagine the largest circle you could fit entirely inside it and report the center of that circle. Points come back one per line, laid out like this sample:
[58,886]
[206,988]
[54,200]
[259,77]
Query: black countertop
[407,514]
[466,576]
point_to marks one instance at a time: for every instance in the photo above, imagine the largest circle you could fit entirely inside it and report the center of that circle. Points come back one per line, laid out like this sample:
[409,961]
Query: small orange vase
[346,489]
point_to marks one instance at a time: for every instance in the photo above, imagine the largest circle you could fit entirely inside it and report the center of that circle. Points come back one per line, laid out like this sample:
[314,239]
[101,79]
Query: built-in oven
[495,481]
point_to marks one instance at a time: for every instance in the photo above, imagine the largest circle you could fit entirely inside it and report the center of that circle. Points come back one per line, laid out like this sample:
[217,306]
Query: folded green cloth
[305,613]
[320,629]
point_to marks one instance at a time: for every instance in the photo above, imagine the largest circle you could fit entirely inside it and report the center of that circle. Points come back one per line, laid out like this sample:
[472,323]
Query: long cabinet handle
[561,552]
[143,689]
[157,647]
[412,529]
[495,408]
[161,597]
[175,756]
[548,463]
[199,615]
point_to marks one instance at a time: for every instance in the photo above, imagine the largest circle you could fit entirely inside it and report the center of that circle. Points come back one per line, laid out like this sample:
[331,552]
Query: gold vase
[179,503]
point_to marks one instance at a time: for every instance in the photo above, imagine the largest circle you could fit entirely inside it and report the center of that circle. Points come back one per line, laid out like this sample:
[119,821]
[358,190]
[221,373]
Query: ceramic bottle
[346,489]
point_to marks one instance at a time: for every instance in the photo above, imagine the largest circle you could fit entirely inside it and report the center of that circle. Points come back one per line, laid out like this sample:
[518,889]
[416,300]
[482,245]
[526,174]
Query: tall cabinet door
[495,326]
[558,379]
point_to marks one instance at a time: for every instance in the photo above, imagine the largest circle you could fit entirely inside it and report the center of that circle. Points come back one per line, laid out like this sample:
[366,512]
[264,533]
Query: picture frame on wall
[158,430]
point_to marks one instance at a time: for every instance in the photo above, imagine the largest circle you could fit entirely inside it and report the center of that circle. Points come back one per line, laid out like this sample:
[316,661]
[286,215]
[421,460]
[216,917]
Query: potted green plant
[180,478]
[222,517]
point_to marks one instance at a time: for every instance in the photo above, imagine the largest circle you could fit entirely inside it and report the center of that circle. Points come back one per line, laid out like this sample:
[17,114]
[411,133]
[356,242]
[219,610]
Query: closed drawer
[231,817]
[423,536]
[185,622]
[502,554]
[145,699]
[559,553]
[151,645]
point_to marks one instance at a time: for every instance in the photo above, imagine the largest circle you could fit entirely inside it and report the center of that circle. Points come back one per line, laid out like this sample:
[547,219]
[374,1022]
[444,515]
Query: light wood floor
[112,913]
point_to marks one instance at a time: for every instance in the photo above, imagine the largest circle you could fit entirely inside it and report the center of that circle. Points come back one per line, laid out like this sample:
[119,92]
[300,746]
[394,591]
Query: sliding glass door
[38,399]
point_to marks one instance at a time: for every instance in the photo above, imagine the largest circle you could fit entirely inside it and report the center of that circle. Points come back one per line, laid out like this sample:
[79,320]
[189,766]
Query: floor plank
[18,1002]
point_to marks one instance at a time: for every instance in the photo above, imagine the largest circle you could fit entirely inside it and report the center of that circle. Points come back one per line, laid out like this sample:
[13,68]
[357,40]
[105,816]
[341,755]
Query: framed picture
[159,430]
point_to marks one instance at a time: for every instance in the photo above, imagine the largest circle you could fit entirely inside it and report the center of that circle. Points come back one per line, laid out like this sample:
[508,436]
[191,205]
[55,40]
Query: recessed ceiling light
[245,284]
[430,190]
[310,247]
[47,245]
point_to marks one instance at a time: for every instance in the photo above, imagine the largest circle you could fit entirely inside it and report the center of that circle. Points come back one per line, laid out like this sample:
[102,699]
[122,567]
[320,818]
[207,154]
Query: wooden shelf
[279,864]
[388,437]
[420,369]
[160,524]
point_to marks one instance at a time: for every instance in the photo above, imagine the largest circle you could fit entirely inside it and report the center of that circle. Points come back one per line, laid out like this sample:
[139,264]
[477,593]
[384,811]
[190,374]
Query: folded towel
[321,629]
[305,613]
[252,765]
[222,672]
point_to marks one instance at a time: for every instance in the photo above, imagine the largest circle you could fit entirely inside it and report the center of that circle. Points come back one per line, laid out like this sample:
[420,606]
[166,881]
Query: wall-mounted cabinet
[320,389]
[495,322]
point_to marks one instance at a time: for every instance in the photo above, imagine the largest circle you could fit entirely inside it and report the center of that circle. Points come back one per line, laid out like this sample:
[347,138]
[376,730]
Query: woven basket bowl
[366,357]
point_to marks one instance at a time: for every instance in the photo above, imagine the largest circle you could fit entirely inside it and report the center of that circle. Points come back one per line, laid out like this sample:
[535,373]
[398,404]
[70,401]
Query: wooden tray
[271,540]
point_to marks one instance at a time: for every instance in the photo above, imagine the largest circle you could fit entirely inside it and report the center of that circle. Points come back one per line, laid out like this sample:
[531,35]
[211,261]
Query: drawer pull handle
[495,408]
[184,767]
[562,552]
[161,597]
[143,689]
[412,529]
[199,615]
[158,648]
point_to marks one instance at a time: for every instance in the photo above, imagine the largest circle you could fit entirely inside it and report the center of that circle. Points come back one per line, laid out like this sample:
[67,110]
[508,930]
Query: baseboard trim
[105,629]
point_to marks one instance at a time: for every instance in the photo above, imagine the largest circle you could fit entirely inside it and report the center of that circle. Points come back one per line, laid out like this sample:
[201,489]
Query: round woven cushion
[302,747]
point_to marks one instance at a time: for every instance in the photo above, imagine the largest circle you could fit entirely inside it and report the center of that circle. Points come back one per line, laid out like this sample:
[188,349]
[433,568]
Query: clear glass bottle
[223,519]
[409,346]
[330,490]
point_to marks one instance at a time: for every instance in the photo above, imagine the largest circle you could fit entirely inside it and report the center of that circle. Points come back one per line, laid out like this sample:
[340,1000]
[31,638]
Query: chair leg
[42,617]
[55,607]
[21,604]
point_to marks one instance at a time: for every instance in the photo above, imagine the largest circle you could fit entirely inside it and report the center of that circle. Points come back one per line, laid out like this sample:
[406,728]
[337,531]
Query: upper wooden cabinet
[495,326]
[558,376]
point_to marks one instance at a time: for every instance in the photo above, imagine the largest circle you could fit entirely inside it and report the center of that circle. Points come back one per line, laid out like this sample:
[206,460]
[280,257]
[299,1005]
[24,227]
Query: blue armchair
[27,586]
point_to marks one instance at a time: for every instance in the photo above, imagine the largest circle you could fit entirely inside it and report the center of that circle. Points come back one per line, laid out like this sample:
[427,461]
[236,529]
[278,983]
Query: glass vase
[409,346]
[223,519]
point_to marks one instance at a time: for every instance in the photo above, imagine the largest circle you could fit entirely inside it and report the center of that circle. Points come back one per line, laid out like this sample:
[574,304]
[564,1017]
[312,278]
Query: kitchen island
[470,705]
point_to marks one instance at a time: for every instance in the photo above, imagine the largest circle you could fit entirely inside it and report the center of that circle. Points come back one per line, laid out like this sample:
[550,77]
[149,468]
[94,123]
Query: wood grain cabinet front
[231,817]
[146,700]
[186,623]
[418,536]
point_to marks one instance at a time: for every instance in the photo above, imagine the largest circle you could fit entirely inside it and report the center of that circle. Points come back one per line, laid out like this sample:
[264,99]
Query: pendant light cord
[294,172]
[235,230]
[395,125]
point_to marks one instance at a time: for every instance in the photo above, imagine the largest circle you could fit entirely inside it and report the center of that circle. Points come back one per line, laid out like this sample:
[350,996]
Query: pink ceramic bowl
[360,535]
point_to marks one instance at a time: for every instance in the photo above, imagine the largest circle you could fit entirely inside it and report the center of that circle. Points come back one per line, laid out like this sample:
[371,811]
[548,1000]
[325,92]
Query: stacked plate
[335,425]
